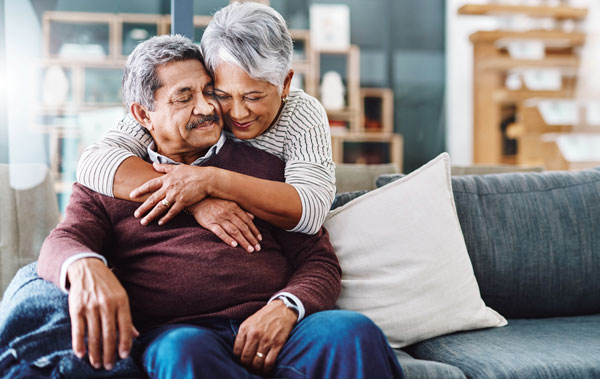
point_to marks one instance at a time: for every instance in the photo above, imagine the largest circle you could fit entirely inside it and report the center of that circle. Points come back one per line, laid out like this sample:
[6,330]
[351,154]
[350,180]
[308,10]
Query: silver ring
[165,202]
[260,355]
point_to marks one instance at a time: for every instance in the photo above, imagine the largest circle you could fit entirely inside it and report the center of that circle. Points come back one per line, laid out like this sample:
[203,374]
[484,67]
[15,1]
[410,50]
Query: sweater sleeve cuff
[65,266]
[294,299]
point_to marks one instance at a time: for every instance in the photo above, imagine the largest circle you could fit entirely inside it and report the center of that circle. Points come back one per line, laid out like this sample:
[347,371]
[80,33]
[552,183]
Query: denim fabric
[533,240]
[329,344]
[553,348]
[35,329]
[421,369]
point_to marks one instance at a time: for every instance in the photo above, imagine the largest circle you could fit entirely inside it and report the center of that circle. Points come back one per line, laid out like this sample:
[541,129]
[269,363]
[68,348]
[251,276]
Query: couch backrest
[28,211]
[534,240]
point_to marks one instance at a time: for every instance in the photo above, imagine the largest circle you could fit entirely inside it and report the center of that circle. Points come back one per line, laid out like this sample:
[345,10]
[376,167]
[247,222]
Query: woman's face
[249,106]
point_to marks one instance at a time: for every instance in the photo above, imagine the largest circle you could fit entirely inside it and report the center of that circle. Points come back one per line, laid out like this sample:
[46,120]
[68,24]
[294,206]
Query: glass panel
[134,33]
[103,86]
[75,40]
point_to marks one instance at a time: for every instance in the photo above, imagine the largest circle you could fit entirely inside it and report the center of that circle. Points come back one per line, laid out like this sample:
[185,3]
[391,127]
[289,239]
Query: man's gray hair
[140,80]
[254,37]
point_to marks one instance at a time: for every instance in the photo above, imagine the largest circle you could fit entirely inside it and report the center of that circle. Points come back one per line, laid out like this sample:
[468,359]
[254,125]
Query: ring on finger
[259,354]
[166,202]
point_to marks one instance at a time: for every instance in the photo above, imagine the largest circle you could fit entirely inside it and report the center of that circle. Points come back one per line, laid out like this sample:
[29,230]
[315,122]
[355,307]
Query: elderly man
[203,308]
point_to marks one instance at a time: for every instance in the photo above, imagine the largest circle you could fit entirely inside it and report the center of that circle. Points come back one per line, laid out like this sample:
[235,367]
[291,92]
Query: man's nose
[202,106]
[238,111]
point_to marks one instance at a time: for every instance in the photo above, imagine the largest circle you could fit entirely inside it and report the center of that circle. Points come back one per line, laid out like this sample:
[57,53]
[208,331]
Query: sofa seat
[421,369]
[562,347]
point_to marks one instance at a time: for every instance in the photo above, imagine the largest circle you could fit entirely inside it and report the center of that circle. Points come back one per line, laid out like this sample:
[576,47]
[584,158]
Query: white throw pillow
[404,259]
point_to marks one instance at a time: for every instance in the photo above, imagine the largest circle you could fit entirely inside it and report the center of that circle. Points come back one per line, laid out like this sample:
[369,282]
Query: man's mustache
[213,117]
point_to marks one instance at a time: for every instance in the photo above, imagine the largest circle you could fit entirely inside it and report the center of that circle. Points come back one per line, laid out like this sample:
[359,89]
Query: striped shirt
[300,137]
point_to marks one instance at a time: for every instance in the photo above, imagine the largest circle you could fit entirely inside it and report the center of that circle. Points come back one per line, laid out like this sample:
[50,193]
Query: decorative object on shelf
[55,86]
[543,79]
[526,49]
[559,112]
[332,91]
[330,26]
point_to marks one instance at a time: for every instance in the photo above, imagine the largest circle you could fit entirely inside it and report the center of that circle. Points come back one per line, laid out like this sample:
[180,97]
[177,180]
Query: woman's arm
[300,204]
[114,166]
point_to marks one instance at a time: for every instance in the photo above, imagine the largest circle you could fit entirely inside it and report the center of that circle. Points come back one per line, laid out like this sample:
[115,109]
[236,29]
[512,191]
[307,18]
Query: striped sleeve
[100,161]
[309,166]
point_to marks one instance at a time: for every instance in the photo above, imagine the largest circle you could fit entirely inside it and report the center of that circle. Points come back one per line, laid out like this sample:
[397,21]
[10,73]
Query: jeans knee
[341,325]
[179,344]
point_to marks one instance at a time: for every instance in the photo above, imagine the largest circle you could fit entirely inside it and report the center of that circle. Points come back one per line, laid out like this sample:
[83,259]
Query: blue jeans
[329,344]
[35,341]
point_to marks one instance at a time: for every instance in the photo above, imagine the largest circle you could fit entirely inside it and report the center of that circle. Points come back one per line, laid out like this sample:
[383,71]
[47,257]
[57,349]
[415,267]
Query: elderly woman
[248,51]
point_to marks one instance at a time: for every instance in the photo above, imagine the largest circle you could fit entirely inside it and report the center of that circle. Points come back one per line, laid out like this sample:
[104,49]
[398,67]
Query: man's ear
[141,114]
[286,84]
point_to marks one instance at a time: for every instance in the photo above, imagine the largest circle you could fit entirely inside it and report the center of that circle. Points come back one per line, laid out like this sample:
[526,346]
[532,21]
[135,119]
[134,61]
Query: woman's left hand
[180,187]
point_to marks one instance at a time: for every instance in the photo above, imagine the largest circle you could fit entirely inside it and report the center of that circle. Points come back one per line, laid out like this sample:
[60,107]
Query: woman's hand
[179,188]
[227,221]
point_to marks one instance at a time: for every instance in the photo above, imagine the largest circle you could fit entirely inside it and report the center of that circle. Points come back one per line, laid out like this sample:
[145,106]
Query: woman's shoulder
[303,108]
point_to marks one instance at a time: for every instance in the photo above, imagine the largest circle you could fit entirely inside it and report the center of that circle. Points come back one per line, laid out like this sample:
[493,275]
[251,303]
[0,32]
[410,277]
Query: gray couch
[534,242]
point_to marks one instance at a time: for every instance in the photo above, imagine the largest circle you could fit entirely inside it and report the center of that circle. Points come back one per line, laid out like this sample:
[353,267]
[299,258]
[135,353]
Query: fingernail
[234,244]
[108,366]
[257,247]
[123,354]
[97,366]
[250,249]
[136,214]
[260,237]
[143,222]
[160,223]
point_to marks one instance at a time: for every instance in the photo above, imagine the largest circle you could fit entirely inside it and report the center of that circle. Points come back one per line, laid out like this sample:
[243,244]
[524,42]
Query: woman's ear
[141,115]
[286,84]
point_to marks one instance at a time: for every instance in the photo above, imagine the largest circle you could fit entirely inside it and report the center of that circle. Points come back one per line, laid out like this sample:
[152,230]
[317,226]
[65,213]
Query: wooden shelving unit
[492,63]
[111,52]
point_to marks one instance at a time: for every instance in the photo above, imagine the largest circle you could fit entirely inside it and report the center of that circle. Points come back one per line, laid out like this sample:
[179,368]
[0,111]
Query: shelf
[559,12]
[507,63]
[508,96]
[548,36]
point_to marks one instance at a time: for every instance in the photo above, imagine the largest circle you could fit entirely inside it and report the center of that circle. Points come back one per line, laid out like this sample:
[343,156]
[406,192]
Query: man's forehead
[177,72]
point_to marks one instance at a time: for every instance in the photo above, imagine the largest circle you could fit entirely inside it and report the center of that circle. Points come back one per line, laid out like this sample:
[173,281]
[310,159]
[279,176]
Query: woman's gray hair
[140,80]
[254,37]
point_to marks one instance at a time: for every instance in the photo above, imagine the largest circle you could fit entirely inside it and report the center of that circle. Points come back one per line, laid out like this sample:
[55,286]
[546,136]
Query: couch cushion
[421,369]
[533,240]
[554,348]
[404,260]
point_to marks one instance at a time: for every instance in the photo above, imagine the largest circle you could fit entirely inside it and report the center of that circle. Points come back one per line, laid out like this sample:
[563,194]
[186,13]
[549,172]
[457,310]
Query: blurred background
[500,85]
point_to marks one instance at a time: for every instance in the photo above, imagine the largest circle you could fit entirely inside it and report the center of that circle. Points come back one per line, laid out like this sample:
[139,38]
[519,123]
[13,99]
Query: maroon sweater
[182,272]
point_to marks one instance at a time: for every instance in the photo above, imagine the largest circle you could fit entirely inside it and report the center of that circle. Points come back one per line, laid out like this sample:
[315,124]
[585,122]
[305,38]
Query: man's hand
[264,332]
[181,186]
[98,305]
[227,221]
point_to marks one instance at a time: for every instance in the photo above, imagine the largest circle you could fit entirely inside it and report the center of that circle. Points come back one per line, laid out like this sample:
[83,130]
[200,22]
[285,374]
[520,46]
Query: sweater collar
[155,157]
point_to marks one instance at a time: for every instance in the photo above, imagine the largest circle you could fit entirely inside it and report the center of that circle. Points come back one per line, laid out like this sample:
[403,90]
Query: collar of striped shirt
[159,158]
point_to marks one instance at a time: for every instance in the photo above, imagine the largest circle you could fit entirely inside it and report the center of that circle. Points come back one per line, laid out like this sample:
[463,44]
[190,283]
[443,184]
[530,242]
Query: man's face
[186,120]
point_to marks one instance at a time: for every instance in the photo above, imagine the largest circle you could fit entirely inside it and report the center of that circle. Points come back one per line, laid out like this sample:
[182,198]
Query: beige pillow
[404,260]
